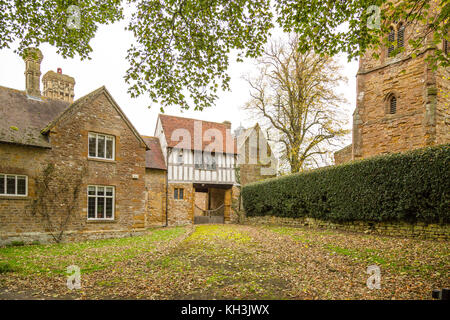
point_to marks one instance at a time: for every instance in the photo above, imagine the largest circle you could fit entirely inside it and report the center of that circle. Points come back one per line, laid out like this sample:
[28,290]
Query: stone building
[81,166]
[200,157]
[90,138]
[255,157]
[402,103]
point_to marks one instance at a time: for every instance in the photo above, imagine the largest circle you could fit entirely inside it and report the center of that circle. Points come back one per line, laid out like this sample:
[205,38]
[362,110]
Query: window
[206,160]
[391,39]
[178,193]
[13,185]
[198,159]
[393,105]
[209,160]
[401,36]
[101,146]
[100,203]
[180,157]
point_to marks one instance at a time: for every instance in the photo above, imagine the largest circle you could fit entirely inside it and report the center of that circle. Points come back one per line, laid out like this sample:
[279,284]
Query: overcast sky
[108,66]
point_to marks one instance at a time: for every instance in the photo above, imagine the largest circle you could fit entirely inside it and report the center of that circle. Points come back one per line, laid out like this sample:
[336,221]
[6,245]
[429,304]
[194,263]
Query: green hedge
[410,187]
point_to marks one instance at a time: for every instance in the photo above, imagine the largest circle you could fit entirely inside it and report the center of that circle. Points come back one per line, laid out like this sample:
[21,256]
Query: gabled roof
[172,123]
[26,121]
[154,158]
[22,118]
[89,97]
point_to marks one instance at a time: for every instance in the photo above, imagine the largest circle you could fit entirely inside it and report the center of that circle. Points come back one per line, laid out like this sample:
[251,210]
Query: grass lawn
[229,262]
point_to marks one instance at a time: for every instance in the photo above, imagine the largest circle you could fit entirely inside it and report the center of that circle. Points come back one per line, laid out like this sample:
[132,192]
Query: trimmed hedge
[410,187]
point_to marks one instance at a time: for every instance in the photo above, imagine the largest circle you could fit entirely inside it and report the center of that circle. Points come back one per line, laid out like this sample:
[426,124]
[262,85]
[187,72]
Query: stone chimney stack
[33,58]
[58,86]
[227,123]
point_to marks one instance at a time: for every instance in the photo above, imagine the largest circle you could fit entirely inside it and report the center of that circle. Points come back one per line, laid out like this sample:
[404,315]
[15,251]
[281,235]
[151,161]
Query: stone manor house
[81,165]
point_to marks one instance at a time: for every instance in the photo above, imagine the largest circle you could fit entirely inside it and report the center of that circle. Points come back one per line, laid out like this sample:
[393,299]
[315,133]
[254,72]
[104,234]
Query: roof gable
[88,98]
[248,132]
[177,128]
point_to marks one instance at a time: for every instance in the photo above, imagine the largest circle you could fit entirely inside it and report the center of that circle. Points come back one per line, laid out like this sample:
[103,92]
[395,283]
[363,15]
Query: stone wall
[69,152]
[155,183]
[343,155]
[181,212]
[201,200]
[379,132]
[254,165]
[443,109]
[418,230]
[236,207]
[70,236]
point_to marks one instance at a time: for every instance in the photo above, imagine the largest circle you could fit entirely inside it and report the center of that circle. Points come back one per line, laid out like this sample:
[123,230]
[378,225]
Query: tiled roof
[22,118]
[154,158]
[172,125]
[26,121]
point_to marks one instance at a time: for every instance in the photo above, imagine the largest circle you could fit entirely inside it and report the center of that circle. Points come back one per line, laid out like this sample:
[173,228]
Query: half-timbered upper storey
[197,151]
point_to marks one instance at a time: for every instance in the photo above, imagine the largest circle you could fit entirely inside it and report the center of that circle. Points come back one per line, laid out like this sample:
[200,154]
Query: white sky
[108,66]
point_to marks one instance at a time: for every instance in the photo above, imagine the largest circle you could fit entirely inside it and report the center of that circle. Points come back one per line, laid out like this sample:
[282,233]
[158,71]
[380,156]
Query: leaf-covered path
[229,262]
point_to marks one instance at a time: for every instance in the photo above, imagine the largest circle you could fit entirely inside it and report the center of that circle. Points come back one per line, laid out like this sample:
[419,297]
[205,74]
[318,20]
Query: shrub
[411,187]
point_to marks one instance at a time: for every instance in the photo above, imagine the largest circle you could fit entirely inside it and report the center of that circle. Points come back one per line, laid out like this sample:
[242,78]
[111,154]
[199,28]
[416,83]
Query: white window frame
[96,202]
[5,194]
[96,135]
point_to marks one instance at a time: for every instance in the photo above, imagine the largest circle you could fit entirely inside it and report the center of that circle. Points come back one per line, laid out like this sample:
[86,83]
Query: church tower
[402,103]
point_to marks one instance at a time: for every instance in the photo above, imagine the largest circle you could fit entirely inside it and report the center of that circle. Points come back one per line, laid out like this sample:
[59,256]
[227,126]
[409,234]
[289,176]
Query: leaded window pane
[2,184]
[92,145]
[21,186]
[109,207]
[91,207]
[109,148]
[100,146]
[91,190]
[100,207]
[11,184]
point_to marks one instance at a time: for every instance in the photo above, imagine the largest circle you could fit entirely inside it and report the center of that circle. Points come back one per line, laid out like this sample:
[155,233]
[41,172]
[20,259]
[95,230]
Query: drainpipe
[169,151]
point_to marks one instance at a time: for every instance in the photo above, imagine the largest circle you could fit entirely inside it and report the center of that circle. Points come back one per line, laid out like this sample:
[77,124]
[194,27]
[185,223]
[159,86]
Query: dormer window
[101,146]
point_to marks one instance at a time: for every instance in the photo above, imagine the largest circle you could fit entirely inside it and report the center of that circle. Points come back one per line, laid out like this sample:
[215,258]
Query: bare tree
[294,95]
[57,199]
